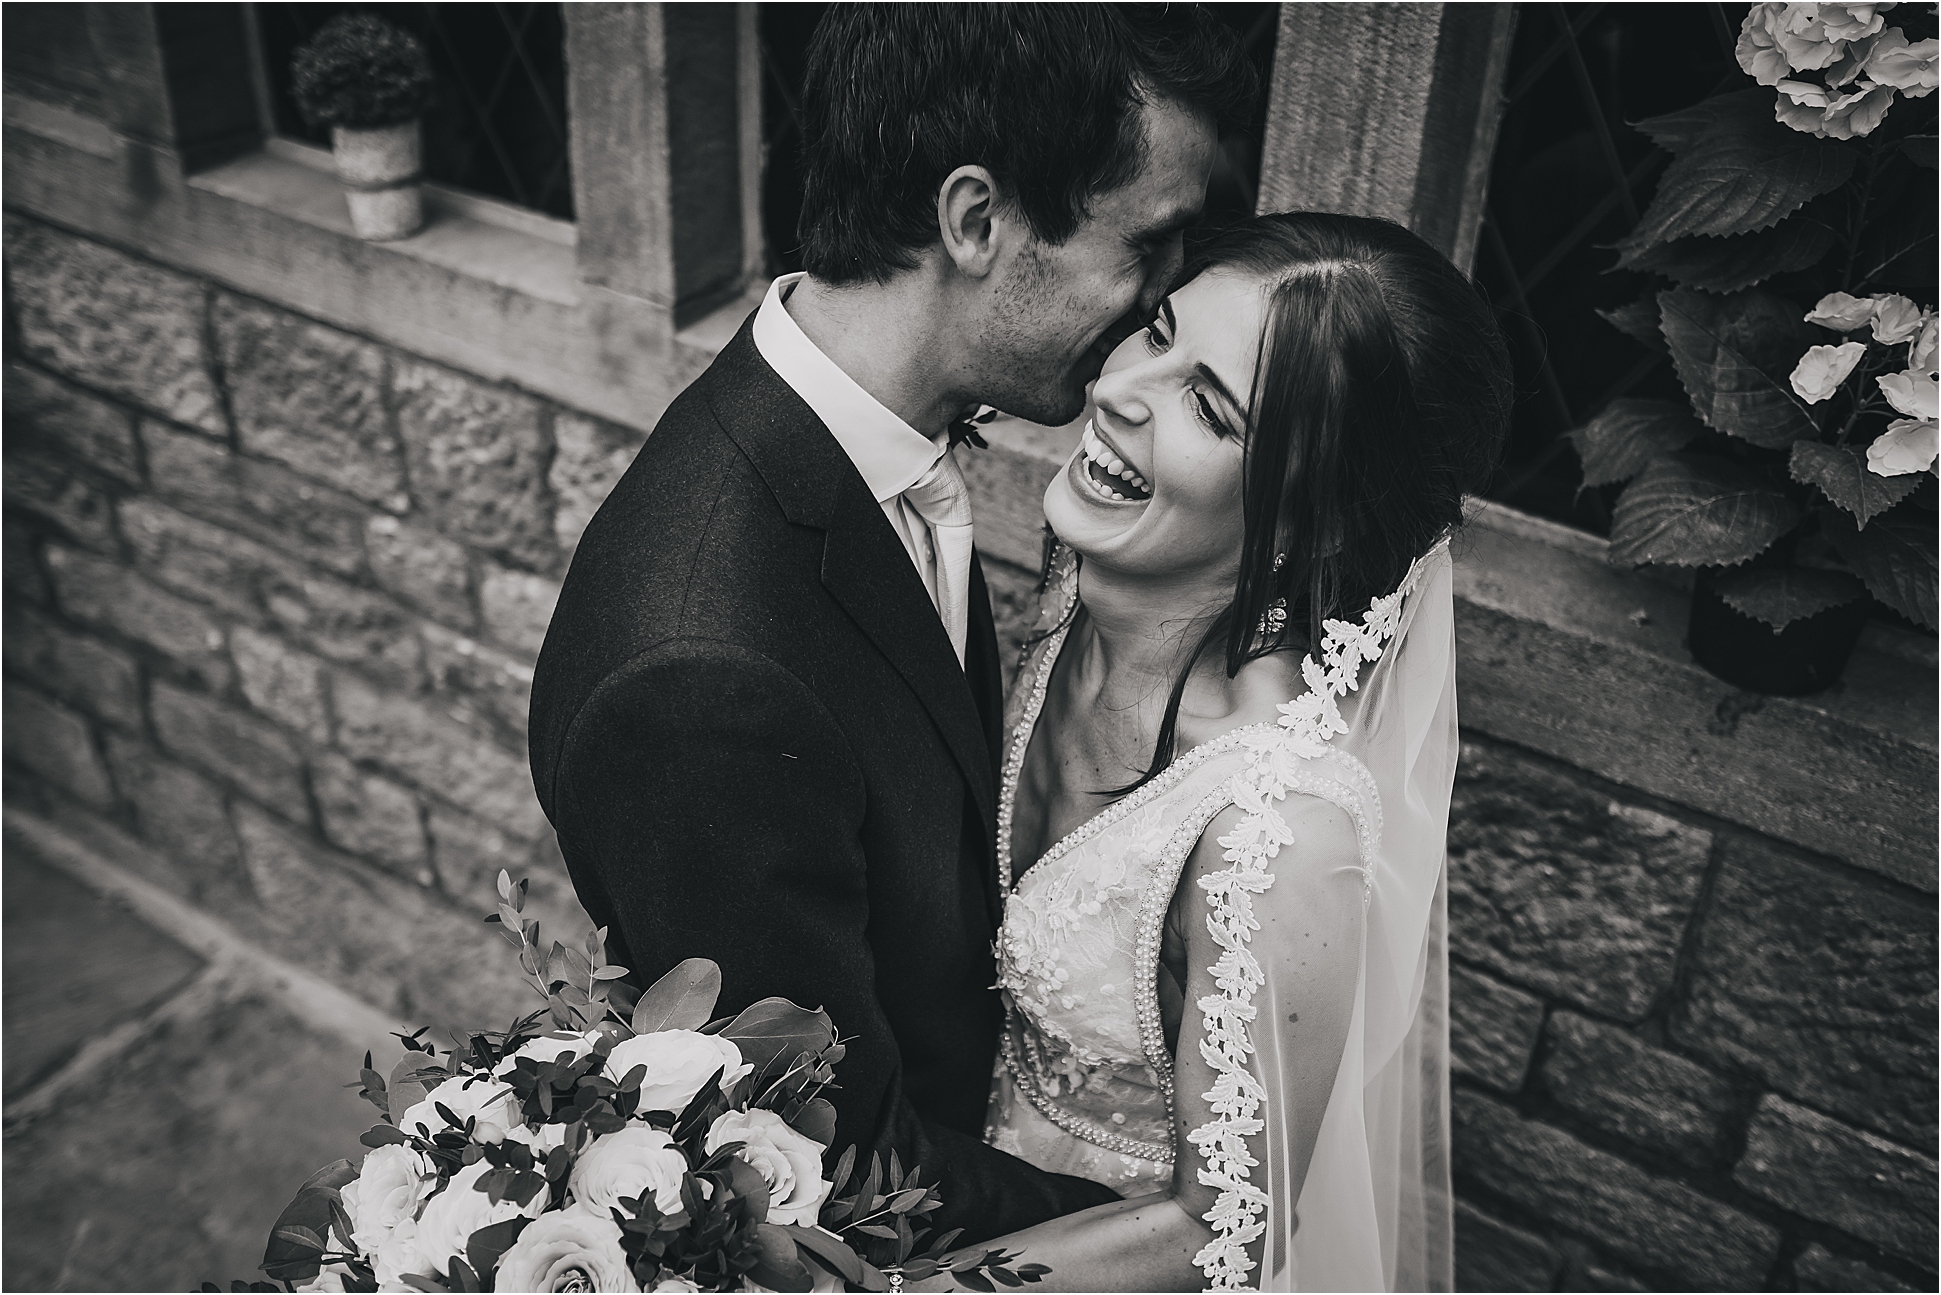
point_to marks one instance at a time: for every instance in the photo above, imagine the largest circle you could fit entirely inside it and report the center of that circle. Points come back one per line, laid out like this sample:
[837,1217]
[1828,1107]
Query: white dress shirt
[889,454]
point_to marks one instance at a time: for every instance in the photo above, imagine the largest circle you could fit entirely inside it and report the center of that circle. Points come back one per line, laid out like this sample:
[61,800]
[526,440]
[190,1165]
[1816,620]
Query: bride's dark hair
[1381,393]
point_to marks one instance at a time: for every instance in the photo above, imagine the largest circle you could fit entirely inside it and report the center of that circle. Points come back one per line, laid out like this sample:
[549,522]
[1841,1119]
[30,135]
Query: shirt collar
[888,452]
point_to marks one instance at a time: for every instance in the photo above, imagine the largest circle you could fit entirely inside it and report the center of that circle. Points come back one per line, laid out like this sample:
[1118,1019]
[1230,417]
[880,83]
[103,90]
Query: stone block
[392,943]
[350,626]
[230,744]
[179,811]
[1492,1029]
[112,596]
[284,684]
[590,457]
[439,754]
[477,456]
[309,397]
[113,323]
[203,560]
[367,814]
[425,570]
[267,503]
[517,606]
[79,670]
[1653,1222]
[1862,1184]
[56,743]
[1821,985]
[485,684]
[1557,887]
[83,426]
[59,493]
[24,578]
[1819,1269]
[1493,1256]
[1616,1081]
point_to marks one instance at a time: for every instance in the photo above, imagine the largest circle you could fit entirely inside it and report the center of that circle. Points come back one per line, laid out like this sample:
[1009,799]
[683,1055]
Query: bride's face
[1154,489]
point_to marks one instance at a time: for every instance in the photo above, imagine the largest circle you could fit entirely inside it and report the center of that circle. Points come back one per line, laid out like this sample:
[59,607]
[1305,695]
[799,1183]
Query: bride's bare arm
[1309,949]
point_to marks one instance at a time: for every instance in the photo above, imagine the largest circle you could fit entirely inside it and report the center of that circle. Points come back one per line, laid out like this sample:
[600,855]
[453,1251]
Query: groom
[765,719]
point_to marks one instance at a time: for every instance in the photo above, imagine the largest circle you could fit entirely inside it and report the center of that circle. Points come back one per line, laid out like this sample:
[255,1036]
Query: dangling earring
[1275,618]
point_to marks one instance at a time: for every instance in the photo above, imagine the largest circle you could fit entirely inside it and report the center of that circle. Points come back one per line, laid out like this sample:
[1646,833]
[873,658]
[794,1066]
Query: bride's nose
[1118,395]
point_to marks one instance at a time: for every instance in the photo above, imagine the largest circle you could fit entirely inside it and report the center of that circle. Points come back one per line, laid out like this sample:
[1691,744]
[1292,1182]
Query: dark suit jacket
[756,744]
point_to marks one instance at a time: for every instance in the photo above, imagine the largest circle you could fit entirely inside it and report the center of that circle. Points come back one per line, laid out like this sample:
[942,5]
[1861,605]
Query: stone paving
[161,1160]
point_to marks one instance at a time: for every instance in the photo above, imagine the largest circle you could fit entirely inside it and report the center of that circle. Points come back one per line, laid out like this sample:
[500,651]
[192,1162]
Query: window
[1568,179]
[497,122]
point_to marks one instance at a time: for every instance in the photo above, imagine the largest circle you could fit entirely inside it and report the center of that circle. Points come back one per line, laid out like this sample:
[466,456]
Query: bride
[1227,777]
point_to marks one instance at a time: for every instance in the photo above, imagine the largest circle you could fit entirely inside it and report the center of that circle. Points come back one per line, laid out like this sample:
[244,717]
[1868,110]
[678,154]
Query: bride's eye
[1204,411]
[1156,339]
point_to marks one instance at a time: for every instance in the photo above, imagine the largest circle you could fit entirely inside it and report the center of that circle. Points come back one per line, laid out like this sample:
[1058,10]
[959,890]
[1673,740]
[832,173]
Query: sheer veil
[1374,1211]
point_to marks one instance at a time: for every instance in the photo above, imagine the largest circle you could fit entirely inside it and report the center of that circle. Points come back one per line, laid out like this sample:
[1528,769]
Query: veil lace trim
[1308,724]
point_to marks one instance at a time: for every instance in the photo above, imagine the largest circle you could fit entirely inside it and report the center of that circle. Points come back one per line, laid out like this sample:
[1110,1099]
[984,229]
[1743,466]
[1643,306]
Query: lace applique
[1307,724]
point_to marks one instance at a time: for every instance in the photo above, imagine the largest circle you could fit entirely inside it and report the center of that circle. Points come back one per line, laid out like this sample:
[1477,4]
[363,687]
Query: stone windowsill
[486,287]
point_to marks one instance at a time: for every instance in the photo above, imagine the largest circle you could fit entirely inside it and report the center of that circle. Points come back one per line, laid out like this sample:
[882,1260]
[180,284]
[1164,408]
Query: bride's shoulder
[1253,696]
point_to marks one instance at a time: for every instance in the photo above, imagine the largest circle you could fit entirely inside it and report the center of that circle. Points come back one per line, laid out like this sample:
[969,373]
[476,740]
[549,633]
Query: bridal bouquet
[657,1150]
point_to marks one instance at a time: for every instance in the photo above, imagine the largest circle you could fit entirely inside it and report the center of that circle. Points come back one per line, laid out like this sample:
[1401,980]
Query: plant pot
[381,170]
[1805,657]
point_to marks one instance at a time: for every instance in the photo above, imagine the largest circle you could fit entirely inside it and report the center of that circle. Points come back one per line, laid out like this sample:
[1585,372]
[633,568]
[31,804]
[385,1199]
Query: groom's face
[1060,310]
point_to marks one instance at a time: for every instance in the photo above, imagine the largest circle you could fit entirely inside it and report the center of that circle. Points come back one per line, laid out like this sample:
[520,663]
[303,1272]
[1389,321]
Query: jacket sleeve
[712,803]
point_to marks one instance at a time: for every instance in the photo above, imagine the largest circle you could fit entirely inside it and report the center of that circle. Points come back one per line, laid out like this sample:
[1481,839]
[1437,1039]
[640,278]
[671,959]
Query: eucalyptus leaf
[1744,171]
[683,999]
[1778,596]
[1842,474]
[780,1268]
[771,1032]
[1896,559]
[1697,510]
[1733,355]
[816,1119]
[1713,264]
[830,1249]
[1629,434]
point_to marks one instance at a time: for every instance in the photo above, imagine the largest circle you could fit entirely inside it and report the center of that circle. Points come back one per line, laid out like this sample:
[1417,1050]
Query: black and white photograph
[994,647]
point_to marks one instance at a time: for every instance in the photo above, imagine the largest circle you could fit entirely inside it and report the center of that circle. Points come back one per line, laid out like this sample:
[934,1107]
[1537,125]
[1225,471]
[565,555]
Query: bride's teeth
[1115,467]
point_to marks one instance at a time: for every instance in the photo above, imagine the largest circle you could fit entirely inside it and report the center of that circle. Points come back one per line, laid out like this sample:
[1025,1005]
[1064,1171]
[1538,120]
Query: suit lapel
[865,567]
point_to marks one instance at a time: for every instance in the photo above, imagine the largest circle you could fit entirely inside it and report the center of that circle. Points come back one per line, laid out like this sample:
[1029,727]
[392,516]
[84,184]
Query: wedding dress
[1084,1083]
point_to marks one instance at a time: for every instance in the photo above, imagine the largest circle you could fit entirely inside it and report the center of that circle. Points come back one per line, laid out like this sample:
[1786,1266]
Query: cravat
[943,501]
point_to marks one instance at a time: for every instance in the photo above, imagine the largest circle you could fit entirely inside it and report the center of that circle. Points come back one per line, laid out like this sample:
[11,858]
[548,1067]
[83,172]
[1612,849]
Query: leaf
[876,1230]
[1713,264]
[831,1249]
[1727,350]
[1920,150]
[816,1119]
[779,1268]
[381,1135]
[1842,474]
[1778,596]
[908,1199]
[1639,322]
[405,1091]
[1743,172]
[1695,511]
[297,1235]
[484,1246]
[1629,434]
[1895,559]
[683,999]
[772,1032]
[970,1280]
[609,973]
[1675,132]
[462,1276]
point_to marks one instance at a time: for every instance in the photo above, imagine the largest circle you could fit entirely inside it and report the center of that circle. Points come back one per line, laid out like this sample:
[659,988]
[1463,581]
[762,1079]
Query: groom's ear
[970,221]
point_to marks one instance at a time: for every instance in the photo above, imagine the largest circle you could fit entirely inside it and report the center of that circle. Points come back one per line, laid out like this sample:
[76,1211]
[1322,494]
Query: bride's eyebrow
[1226,392]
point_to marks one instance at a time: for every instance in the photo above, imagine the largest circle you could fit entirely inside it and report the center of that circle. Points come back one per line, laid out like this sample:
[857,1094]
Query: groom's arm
[714,804]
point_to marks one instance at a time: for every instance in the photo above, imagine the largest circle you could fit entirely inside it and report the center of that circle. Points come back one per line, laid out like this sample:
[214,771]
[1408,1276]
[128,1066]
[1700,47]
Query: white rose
[399,1255]
[329,1278]
[547,1049]
[1822,369]
[1912,393]
[387,1191]
[570,1249]
[789,1162]
[678,1062]
[450,1217]
[671,1285]
[631,1162]
[1921,355]
[1908,445]
[1842,312]
[1895,319]
[542,1140]
[466,1096]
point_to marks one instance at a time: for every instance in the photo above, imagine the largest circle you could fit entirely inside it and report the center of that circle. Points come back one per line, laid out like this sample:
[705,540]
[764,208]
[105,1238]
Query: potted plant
[368,81]
[1792,236]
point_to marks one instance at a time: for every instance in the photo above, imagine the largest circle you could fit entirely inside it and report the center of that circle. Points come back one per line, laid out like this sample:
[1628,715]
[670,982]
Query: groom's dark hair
[1045,96]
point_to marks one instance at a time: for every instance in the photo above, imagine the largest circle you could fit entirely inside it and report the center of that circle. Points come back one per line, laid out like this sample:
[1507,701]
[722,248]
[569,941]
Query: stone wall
[273,593]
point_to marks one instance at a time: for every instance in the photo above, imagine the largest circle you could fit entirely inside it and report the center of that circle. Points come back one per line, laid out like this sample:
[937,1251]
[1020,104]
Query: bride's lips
[1102,473]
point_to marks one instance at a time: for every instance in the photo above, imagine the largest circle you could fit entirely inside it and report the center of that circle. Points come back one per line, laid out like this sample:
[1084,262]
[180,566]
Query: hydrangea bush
[360,72]
[1793,236]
